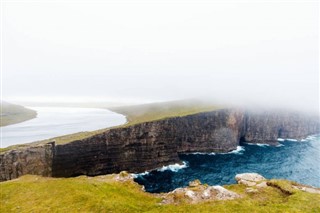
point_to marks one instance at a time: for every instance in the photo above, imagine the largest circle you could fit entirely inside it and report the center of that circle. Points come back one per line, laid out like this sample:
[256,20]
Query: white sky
[251,51]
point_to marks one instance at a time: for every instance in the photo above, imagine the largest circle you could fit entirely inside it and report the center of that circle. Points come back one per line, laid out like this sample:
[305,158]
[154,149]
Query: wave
[201,153]
[262,144]
[312,137]
[257,144]
[174,167]
[292,140]
[309,138]
[136,175]
[238,151]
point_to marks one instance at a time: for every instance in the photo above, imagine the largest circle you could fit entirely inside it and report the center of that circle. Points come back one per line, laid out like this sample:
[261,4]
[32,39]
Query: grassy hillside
[11,114]
[105,194]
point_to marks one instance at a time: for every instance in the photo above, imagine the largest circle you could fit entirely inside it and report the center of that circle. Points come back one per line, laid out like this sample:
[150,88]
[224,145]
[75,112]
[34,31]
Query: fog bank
[254,53]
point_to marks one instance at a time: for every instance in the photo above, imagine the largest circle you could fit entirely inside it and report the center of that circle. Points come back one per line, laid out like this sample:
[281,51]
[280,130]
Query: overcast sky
[252,51]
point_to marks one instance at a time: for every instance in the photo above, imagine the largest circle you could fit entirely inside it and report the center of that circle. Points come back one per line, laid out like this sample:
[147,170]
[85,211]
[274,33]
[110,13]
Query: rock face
[267,126]
[35,160]
[154,144]
[149,145]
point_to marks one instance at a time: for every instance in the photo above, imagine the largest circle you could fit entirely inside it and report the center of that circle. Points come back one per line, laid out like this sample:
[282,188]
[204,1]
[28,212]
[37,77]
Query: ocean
[291,160]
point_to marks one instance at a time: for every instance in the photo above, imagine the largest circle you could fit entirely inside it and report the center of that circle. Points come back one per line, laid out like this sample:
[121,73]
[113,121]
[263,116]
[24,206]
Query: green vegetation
[157,111]
[12,114]
[105,194]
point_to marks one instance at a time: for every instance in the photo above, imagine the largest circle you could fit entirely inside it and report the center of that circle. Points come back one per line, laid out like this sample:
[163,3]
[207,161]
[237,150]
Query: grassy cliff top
[156,111]
[107,194]
[136,114]
[12,114]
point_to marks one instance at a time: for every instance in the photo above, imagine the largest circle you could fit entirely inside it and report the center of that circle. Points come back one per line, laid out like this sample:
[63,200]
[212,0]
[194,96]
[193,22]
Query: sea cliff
[149,145]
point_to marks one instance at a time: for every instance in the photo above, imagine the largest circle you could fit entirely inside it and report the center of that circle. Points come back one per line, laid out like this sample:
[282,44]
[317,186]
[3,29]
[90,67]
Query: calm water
[297,161]
[56,121]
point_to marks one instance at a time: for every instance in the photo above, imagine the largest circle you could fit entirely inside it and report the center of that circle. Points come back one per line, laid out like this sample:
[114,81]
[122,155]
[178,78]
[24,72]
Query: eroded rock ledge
[153,144]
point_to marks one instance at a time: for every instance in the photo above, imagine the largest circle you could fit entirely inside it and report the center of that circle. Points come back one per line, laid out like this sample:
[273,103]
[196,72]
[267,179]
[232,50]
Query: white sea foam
[292,140]
[262,144]
[257,144]
[201,153]
[309,138]
[140,174]
[174,167]
[239,150]
[312,137]
[279,145]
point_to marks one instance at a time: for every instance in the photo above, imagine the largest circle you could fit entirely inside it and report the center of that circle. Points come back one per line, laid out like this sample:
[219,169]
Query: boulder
[250,179]
[196,193]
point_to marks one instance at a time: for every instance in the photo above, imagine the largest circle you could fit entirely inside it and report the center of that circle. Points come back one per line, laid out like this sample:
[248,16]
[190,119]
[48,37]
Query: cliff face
[35,160]
[267,126]
[150,145]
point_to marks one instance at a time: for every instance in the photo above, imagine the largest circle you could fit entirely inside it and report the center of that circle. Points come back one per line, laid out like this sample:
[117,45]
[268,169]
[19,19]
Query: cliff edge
[149,145]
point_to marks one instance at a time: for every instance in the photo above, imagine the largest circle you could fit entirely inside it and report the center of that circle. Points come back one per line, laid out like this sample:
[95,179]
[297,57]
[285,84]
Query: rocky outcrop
[35,160]
[198,193]
[249,179]
[154,144]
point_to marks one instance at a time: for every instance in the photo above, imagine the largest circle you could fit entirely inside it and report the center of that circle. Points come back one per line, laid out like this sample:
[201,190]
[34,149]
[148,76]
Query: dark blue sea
[296,161]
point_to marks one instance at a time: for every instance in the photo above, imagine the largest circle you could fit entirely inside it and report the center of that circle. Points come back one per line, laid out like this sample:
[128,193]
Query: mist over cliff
[132,53]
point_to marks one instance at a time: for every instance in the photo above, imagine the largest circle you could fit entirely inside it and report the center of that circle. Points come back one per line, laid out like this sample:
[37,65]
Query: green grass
[157,111]
[104,194]
[12,114]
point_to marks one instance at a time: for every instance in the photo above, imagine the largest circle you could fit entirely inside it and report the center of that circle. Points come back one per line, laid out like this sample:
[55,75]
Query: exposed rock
[307,189]
[262,185]
[36,160]
[250,179]
[224,194]
[123,176]
[197,194]
[194,183]
[190,194]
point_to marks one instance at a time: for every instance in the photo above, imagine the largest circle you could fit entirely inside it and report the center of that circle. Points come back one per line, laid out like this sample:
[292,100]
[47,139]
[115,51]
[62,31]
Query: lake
[57,121]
